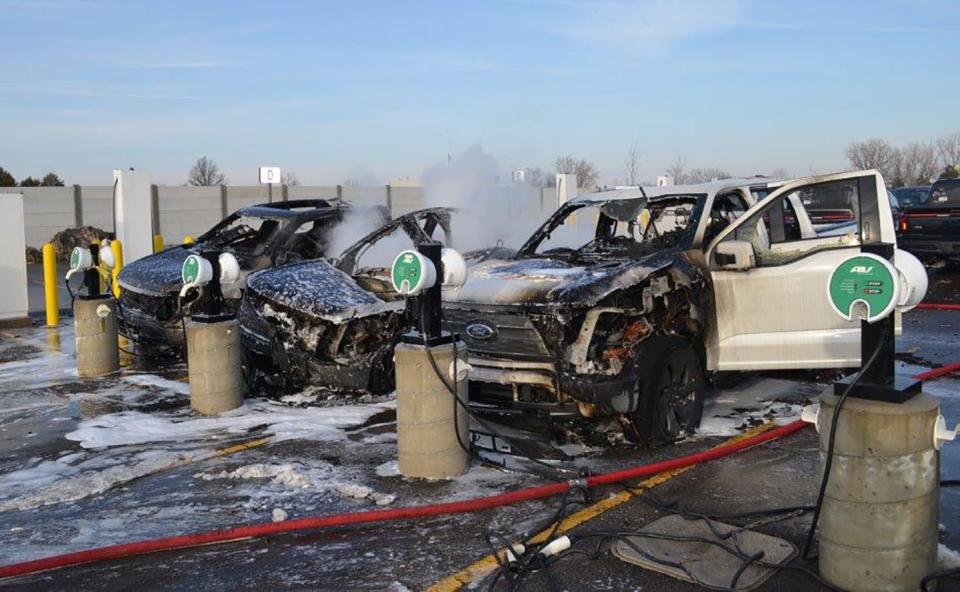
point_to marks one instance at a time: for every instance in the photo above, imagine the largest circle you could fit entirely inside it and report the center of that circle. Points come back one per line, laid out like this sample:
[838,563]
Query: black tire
[671,389]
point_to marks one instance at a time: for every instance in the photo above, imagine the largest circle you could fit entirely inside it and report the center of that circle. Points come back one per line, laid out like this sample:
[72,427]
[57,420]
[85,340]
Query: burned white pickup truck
[624,302]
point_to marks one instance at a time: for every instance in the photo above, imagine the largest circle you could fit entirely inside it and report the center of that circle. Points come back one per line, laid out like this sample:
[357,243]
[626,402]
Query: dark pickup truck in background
[931,231]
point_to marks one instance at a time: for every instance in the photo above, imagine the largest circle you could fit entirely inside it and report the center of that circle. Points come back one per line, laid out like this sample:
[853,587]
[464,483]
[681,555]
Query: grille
[498,334]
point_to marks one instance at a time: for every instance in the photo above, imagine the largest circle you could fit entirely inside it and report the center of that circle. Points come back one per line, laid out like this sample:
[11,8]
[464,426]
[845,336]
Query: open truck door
[769,271]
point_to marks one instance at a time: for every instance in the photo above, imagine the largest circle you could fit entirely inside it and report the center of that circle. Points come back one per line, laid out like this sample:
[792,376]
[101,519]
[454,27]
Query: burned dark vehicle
[259,236]
[334,323]
[599,313]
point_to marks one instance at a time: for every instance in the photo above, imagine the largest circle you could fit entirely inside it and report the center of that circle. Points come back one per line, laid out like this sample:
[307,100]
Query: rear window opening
[945,193]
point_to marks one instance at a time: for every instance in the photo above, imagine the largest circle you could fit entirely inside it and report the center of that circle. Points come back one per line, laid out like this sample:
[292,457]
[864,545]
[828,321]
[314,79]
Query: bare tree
[914,164]
[779,173]
[351,182]
[631,166]
[587,174]
[205,172]
[948,149]
[534,177]
[289,179]
[873,154]
[677,170]
[705,175]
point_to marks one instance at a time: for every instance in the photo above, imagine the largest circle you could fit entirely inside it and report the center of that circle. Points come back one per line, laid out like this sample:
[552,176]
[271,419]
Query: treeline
[51,179]
[916,163]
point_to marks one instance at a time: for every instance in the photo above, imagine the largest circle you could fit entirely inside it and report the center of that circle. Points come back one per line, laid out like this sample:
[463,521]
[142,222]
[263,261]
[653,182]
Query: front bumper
[274,364]
[148,331]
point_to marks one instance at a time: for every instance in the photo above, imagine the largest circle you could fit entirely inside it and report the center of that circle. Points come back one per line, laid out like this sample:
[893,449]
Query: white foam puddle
[267,417]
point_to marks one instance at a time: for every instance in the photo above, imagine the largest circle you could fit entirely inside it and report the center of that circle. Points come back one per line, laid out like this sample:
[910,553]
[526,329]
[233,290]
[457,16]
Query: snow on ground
[755,401]
[263,416]
[947,558]
[67,483]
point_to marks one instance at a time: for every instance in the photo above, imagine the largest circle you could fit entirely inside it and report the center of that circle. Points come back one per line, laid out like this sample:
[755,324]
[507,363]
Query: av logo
[861,269]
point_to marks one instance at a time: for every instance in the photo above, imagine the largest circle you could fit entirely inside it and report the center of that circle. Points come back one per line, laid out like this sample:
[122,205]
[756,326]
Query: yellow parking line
[241,447]
[485,566]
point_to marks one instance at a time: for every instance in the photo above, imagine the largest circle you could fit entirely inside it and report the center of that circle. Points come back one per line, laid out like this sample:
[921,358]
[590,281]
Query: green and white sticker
[75,258]
[864,281]
[412,273]
[191,269]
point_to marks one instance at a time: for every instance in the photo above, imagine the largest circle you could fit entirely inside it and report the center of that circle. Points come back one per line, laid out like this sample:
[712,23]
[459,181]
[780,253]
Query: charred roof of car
[653,193]
[298,208]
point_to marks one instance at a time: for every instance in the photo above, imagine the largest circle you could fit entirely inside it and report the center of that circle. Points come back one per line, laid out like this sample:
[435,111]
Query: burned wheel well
[606,336]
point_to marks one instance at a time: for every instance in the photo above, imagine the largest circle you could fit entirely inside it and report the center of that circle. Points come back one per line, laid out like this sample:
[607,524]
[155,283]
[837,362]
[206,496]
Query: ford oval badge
[480,331]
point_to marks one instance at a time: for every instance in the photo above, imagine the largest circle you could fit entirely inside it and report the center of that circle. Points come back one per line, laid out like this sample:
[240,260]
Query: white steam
[489,210]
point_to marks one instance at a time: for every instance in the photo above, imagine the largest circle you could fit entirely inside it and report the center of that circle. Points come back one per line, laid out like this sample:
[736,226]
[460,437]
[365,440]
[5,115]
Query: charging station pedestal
[94,318]
[429,418]
[213,341]
[878,521]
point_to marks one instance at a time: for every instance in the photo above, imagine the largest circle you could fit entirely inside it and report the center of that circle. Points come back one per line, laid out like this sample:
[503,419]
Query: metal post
[50,285]
[154,210]
[223,201]
[269,192]
[339,192]
[389,200]
[117,248]
[430,299]
[284,193]
[77,206]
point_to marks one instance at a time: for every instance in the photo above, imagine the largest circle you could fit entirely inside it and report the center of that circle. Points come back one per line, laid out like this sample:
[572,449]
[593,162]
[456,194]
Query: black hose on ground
[832,442]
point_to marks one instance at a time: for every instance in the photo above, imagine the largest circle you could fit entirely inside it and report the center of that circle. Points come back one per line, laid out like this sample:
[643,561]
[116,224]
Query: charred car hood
[156,274]
[318,289]
[553,281]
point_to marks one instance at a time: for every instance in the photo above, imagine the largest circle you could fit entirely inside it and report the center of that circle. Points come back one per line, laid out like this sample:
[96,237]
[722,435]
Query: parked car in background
[258,236]
[911,197]
[931,231]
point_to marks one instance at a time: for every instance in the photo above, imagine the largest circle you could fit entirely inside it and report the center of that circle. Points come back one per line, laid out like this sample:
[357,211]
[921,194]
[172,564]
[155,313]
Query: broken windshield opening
[245,234]
[630,227]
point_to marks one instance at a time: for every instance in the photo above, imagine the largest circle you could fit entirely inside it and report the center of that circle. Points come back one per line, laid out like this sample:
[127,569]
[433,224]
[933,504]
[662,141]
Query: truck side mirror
[734,256]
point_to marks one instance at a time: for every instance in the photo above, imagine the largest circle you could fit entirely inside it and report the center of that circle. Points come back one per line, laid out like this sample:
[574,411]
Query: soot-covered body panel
[333,324]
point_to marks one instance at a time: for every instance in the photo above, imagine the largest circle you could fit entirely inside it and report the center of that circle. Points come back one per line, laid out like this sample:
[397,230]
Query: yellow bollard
[157,243]
[117,249]
[50,285]
[189,240]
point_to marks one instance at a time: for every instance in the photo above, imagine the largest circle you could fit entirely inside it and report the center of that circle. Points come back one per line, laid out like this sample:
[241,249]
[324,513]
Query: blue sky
[378,90]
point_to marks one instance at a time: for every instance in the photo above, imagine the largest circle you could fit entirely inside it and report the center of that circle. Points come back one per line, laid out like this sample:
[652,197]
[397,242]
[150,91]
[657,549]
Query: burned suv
[334,323]
[258,236]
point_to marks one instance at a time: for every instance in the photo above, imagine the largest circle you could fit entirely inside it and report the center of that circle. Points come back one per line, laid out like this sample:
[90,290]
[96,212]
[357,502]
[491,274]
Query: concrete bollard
[95,324]
[213,362]
[878,525]
[50,296]
[426,435]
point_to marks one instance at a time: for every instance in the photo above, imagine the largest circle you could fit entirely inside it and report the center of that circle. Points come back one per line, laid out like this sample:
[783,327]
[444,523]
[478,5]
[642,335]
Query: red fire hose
[937,372]
[472,505]
[937,306]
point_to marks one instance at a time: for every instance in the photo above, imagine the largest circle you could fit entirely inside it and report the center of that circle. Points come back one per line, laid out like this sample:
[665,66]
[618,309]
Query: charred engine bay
[310,323]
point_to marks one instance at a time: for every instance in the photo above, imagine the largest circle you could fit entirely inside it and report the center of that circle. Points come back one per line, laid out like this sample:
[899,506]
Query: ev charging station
[94,313]
[212,334]
[879,495]
[431,369]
